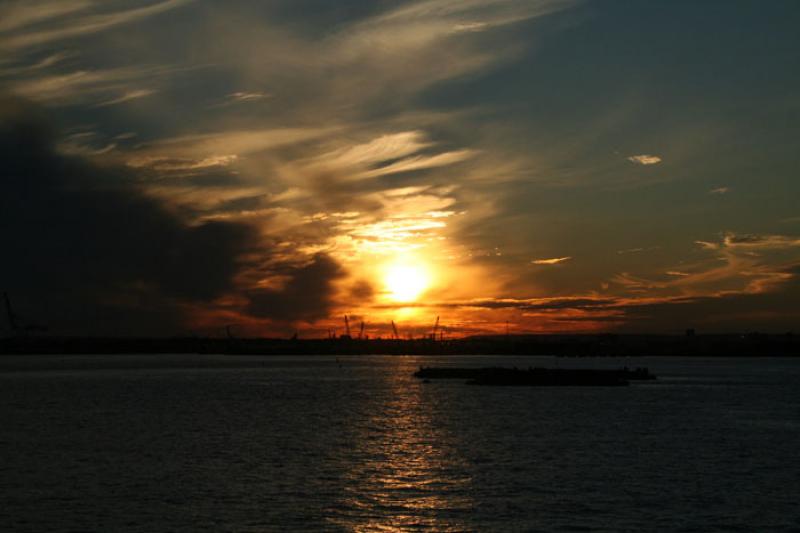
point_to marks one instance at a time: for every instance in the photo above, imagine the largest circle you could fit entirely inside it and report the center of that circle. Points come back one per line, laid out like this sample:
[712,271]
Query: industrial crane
[346,328]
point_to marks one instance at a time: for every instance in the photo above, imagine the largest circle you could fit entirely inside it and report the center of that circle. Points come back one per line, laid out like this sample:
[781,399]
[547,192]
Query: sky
[176,167]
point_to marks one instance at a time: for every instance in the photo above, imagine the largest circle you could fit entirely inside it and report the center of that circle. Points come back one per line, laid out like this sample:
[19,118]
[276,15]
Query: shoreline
[601,345]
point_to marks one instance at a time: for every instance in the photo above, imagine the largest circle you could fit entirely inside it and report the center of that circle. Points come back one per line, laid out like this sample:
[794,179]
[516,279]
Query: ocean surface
[225,443]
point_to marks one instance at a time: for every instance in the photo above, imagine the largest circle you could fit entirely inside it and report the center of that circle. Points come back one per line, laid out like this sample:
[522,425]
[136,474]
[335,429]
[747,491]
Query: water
[186,443]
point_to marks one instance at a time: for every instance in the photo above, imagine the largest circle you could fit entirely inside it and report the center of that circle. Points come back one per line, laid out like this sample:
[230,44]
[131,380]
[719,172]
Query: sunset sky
[172,167]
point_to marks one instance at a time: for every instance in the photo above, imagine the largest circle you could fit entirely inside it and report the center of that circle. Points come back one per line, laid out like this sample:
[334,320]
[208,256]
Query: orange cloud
[551,261]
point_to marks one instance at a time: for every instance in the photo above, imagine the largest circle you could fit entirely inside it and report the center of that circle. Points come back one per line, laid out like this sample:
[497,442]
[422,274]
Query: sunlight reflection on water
[411,474]
[180,443]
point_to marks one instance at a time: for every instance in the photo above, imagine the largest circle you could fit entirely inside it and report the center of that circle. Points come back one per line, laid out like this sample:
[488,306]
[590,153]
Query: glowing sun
[405,283]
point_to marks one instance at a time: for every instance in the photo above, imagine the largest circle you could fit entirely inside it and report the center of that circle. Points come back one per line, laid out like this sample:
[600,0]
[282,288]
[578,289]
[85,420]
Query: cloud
[307,295]
[342,127]
[224,143]
[373,65]
[81,240]
[421,162]
[772,310]
[388,153]
[738,264]
[637,250]
[85,143]
[755,242]
[385,147]
[677,273]
[30,69]
[177,164]
[409,117]
[86,251]
[20,13]
[436,18]
[242,96]
[567,303]
[708,245]
[55,23]
[127,97]
[748,283]
[551,261]
[575,302]
[644,159]
[111,86]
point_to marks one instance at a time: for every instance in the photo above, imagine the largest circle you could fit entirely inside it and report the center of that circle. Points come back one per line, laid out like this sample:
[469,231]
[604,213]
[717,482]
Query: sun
[405,283]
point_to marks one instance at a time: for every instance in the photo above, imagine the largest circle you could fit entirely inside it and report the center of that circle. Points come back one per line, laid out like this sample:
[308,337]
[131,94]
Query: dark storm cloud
[308,294]
[81,242]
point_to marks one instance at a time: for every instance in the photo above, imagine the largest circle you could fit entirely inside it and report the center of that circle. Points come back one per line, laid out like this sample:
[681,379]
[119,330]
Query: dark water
[185,443]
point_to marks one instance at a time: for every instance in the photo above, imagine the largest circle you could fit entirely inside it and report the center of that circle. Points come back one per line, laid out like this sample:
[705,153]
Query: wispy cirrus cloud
[383,148]
[637,250]
[168,164]
[421,162]
[242,96]
[92,87]
[551,261]
[127,97]
[677,273]
[741,264]
[751,241]
[18,14]
[707,245]
[755,241]
[230,144]
[416,24]
[35,23]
